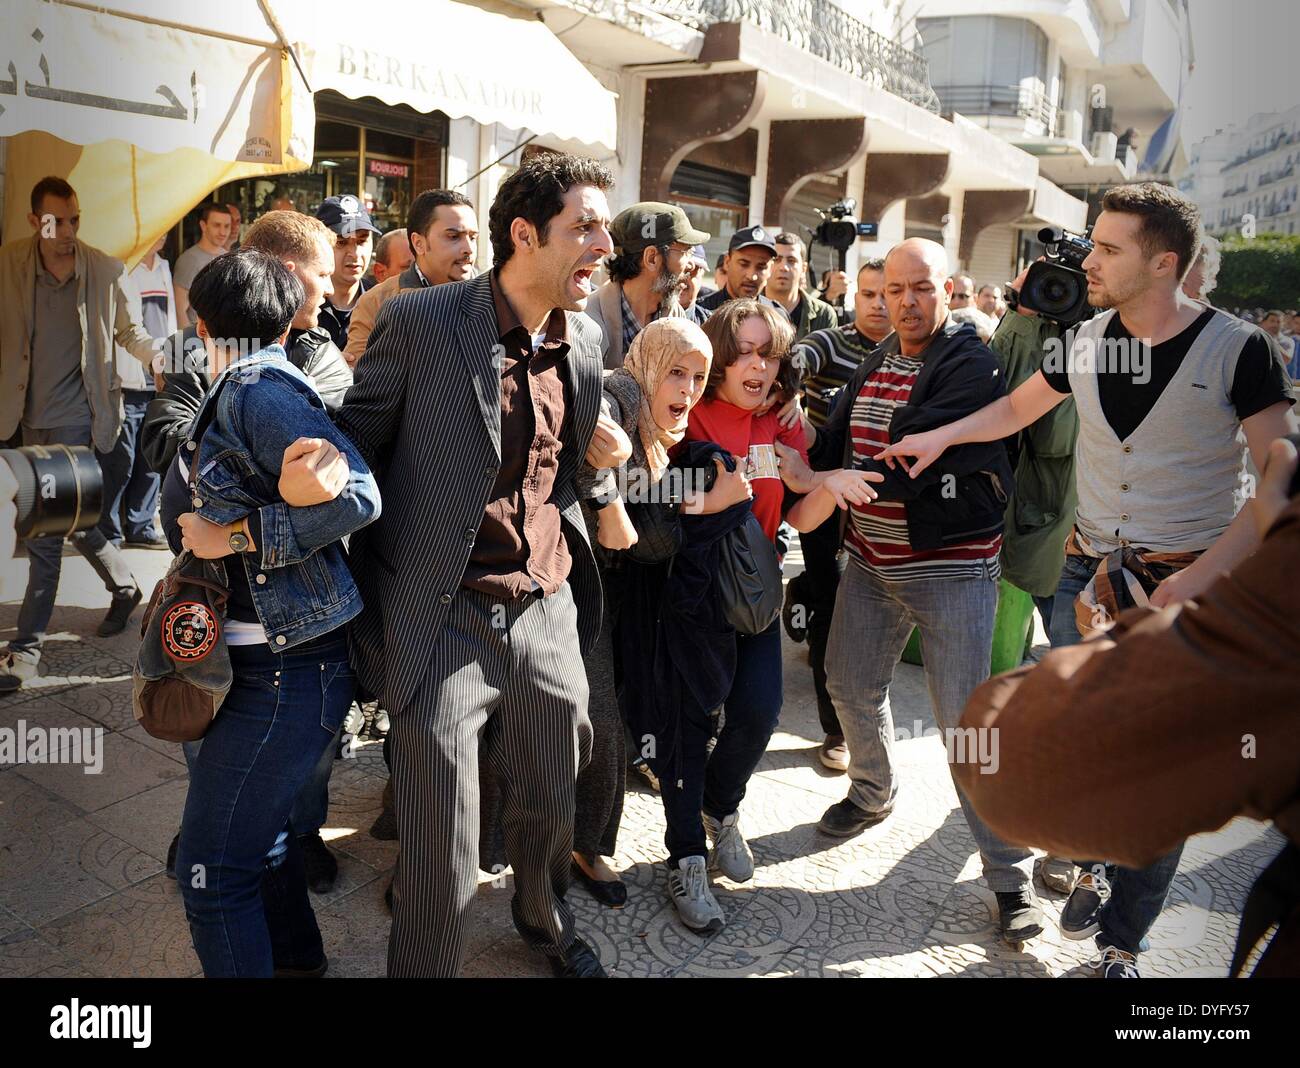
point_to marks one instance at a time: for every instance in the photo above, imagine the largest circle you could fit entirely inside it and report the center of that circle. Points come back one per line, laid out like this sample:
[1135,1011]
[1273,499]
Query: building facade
[1244,177]
[1090,88]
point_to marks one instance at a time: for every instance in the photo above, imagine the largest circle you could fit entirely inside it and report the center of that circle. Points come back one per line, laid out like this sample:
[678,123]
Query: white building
[1089,87]
[1245,176]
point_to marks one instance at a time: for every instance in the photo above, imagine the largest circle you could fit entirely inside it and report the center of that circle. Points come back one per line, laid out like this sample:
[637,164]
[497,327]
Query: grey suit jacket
[605,309]
[426,413]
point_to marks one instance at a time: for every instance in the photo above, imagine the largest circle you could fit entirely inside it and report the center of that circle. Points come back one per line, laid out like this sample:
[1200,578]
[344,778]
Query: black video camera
[1057,288]
[839,229]
[60,489]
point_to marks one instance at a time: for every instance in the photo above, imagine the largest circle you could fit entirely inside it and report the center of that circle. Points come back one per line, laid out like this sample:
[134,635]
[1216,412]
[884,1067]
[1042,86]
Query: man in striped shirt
[924,553]
[827,359]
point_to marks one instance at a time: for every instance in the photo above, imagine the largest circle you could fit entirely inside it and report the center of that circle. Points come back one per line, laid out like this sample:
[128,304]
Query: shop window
[337,137]
[715,200]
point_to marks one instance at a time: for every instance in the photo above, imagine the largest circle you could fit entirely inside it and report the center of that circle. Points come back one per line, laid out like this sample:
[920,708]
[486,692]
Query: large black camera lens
[840,234]
[60,489]
[1055,292]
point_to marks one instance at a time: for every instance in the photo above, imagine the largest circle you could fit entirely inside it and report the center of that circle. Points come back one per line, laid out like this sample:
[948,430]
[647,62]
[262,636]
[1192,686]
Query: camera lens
[60,489]
[1054,291]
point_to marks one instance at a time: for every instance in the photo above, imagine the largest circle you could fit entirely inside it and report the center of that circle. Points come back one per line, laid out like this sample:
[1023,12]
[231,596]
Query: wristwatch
[239,540]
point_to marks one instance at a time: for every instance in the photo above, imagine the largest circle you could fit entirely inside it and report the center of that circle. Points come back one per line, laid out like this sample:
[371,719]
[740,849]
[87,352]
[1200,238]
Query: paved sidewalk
[83,891]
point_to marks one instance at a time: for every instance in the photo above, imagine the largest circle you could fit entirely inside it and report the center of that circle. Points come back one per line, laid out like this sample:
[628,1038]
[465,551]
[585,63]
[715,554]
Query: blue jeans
[238,866]
[1136,894]
[311,807]
[128,477]
[715,783]
[873,619]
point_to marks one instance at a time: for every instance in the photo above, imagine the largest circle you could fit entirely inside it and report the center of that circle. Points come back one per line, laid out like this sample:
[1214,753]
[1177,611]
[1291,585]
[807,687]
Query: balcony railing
[1014,101]
[1278,140]
[819,27]
[1269,177]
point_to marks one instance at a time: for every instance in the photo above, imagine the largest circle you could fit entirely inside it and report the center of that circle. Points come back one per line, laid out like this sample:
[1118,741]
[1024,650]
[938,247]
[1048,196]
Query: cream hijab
[652,355]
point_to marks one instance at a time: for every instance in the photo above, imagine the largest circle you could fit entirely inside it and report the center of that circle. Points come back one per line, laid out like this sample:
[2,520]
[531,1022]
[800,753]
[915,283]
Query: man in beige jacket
[66,307]
[443,232]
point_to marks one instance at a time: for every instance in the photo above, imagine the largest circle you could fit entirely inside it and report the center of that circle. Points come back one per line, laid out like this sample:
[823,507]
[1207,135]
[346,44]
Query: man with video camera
[66,307]
[1163,385]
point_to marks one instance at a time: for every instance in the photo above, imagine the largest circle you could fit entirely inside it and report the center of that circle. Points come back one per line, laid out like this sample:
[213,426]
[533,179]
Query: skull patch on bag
[189,631]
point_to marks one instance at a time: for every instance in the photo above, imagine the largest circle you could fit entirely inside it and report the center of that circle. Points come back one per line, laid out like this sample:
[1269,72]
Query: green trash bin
[1012,634]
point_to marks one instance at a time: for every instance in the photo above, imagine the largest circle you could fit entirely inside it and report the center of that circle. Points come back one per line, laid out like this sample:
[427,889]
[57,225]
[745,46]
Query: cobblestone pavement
[83,891]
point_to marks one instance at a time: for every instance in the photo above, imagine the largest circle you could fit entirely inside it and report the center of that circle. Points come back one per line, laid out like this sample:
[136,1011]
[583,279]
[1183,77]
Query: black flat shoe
[612,894]
[579,962]
[316,971]
[119,611]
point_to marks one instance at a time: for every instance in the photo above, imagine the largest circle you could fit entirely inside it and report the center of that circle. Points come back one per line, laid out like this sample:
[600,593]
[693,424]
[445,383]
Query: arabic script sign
[90,77]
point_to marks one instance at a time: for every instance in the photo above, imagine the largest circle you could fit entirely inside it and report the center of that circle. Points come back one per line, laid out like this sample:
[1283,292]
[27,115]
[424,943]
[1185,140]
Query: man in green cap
[651,264]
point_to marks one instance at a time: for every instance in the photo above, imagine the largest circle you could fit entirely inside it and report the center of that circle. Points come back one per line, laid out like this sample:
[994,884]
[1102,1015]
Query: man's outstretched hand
[923,449]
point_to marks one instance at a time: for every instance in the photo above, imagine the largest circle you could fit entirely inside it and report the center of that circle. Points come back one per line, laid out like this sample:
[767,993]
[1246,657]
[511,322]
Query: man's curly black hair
[535,192]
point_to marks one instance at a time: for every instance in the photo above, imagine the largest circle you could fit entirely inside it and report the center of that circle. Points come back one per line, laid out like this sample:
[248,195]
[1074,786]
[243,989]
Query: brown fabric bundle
[1173,723]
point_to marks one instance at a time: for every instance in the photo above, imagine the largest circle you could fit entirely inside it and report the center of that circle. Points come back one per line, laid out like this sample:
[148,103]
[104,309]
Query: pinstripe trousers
[508,673]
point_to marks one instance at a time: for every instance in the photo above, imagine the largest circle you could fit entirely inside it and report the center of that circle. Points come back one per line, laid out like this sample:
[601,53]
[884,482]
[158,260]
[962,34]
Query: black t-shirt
[337,320]
[1259,382]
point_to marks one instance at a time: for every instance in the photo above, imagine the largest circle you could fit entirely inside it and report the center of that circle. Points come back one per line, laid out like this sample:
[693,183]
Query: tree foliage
[1259,272]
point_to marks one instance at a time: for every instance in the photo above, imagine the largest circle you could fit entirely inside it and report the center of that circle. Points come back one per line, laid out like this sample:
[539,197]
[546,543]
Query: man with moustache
[480,587]
[827,359]
[1158,465]
[353,230]
[653,262]
[923,554]
[442,233]
[748,264]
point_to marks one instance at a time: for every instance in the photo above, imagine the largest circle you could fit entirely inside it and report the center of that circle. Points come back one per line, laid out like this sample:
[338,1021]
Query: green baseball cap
[653,222]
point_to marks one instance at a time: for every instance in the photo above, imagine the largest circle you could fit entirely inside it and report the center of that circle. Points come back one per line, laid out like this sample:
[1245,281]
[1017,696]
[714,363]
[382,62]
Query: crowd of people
[433,491]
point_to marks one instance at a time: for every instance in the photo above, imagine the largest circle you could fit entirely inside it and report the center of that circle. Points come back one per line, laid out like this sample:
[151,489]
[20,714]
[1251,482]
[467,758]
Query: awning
[436,55]
[144,106]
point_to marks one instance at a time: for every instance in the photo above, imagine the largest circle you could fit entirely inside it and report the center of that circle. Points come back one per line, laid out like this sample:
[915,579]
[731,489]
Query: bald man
[963,291]
[923,554]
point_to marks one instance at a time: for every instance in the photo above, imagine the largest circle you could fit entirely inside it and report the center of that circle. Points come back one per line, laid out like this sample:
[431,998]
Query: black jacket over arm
[963,494]
[170,413]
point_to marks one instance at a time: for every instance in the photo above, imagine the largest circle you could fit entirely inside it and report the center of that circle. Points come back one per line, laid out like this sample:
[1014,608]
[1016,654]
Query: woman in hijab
[630,512]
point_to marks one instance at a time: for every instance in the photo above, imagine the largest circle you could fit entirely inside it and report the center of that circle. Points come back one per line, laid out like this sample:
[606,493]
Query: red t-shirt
[742,433]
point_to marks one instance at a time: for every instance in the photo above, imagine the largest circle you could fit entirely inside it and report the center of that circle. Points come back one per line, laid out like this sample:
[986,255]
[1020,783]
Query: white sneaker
[694,901]
[16,669]
[1114,963]
[730,854]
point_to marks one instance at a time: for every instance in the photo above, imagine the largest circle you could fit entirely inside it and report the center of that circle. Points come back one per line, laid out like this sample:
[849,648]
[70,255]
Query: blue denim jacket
[298,576]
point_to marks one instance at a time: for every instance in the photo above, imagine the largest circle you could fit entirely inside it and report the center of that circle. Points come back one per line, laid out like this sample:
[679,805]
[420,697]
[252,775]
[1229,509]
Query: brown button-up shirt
[520,547]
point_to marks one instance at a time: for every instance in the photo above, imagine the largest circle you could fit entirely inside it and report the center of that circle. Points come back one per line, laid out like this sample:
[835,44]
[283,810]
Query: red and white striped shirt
[876,536]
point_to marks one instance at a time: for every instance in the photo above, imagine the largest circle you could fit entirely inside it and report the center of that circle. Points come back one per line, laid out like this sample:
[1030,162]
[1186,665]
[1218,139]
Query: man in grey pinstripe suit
[475,402]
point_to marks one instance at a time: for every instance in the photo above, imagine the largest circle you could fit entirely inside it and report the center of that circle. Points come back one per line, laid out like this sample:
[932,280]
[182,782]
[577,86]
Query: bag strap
[207,413]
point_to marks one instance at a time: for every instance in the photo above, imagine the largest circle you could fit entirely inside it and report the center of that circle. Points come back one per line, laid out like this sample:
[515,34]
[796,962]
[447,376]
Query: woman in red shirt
[752,346]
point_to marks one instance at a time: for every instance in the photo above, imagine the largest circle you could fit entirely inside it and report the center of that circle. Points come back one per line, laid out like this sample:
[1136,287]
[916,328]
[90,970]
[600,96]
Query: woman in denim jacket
[291,596]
